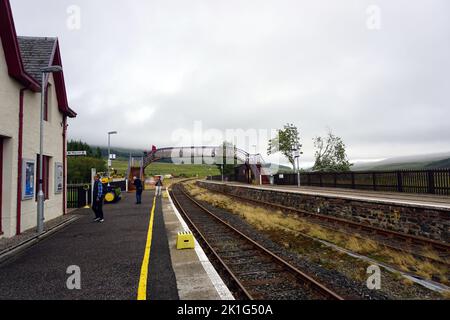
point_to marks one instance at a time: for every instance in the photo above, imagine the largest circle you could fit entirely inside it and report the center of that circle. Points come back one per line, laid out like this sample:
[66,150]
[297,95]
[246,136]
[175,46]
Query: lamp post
[109,150]
[41,197]
[297,154]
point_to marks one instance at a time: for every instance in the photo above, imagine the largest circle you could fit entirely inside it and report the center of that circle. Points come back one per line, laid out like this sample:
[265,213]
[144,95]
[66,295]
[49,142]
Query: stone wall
[420,221]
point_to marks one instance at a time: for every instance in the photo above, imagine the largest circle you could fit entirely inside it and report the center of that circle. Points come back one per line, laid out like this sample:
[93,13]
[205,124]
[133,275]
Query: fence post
[87,199]
[353,180]
[335,179]
[399,181]
[431,187]
[374,179]
[93,173]
[320,177]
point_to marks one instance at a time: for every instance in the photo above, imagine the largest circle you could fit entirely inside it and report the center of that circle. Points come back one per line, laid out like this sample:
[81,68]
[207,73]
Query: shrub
[79,168]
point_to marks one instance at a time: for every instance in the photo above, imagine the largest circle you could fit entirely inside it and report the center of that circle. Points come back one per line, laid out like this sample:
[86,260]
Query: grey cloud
[256,64]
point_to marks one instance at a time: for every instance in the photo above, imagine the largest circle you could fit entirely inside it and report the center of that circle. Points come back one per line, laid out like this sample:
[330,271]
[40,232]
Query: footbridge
[201,155]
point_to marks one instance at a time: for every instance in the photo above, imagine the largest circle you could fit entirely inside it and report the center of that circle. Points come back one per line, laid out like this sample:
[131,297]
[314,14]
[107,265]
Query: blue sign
[28,179]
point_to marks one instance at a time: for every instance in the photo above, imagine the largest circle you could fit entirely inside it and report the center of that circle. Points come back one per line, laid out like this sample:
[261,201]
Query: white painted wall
[9,128]
[53,147]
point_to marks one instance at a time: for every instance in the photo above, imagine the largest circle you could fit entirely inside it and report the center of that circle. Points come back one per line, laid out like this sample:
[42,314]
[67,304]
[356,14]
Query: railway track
[391,239]
[254,272]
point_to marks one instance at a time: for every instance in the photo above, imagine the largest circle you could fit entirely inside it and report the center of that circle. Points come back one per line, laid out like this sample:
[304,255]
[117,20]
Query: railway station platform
[416,200]
[132,255]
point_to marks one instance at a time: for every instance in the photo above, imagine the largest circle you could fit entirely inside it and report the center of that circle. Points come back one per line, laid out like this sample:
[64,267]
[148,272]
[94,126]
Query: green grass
[186,170]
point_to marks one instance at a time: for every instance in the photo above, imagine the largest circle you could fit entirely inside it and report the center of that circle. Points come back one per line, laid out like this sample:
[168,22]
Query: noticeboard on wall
[28,179]
[59,178]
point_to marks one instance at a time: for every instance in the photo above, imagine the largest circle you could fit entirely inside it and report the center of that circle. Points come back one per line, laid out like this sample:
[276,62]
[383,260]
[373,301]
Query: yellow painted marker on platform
[185,240]
[142,289]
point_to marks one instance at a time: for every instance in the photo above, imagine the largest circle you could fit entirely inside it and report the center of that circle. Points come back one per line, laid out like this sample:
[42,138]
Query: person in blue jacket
[97,204]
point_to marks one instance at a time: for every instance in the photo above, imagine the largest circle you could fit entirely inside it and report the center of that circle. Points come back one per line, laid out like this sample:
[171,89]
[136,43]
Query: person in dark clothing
[97,205]
[139,190]
[159,186]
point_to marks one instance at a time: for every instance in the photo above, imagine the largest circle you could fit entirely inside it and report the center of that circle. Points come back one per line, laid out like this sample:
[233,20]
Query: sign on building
[76,153]
[28,179]
[59,178]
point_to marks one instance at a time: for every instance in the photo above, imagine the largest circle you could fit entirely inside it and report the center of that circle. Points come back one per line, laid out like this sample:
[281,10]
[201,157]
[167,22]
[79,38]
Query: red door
[1,182]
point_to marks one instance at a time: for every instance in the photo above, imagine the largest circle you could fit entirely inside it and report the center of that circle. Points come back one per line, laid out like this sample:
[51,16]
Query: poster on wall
[28,178]
[59,178]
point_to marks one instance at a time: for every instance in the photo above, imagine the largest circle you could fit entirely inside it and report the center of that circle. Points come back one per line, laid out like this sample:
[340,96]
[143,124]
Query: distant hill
[441,164]
[419,162]
[121,153]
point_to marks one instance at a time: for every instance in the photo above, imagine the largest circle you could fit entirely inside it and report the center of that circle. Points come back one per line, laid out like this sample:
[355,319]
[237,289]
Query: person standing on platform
[97,205]
[159,186]
[139,190]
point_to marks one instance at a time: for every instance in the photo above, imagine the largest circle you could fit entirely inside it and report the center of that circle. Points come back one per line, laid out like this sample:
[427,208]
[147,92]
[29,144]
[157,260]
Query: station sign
[76,153]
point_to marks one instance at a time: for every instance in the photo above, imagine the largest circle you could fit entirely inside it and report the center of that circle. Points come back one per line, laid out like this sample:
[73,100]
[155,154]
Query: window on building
[45,176]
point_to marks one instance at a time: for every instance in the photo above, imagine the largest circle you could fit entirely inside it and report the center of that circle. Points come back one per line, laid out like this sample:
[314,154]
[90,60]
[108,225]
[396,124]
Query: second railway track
[255,272]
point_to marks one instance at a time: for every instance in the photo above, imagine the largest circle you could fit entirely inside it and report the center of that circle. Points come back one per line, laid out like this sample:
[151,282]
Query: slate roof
[36,52]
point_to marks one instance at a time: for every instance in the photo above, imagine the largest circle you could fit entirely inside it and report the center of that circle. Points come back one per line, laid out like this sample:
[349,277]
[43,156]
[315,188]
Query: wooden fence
[408,181]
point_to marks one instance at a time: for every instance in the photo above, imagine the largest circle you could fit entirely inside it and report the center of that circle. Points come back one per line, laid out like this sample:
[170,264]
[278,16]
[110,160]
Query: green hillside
[420,165]
[121,153]
[185,170]
[401,166]
[441,164]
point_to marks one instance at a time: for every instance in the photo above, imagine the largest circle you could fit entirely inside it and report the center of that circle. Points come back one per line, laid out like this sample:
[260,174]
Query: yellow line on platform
[142,289]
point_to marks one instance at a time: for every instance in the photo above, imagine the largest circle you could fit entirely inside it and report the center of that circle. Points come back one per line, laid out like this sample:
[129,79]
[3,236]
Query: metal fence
[76,193]
[76,196]
[408,181]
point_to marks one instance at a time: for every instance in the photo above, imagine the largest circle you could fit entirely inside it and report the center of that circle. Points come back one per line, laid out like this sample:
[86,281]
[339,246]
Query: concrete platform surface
[196,277]
[110,257]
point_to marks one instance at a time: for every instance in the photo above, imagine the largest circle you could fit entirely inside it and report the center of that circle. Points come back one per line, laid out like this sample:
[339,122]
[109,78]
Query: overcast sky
[149,69]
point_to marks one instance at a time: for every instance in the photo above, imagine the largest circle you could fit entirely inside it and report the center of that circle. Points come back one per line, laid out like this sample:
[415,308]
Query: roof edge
[13,57]
[60,84]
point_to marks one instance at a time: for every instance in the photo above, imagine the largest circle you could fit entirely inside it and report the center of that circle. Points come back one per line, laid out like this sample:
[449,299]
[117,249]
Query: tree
[287,140]
[73,145]
[98,153]
[330,154]
[79,168]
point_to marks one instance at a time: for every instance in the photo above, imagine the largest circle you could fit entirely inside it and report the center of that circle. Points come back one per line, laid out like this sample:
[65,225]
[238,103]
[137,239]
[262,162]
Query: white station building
[21,59]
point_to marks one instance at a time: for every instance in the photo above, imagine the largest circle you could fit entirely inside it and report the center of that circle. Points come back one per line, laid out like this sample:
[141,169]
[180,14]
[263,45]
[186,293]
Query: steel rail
[210,248]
